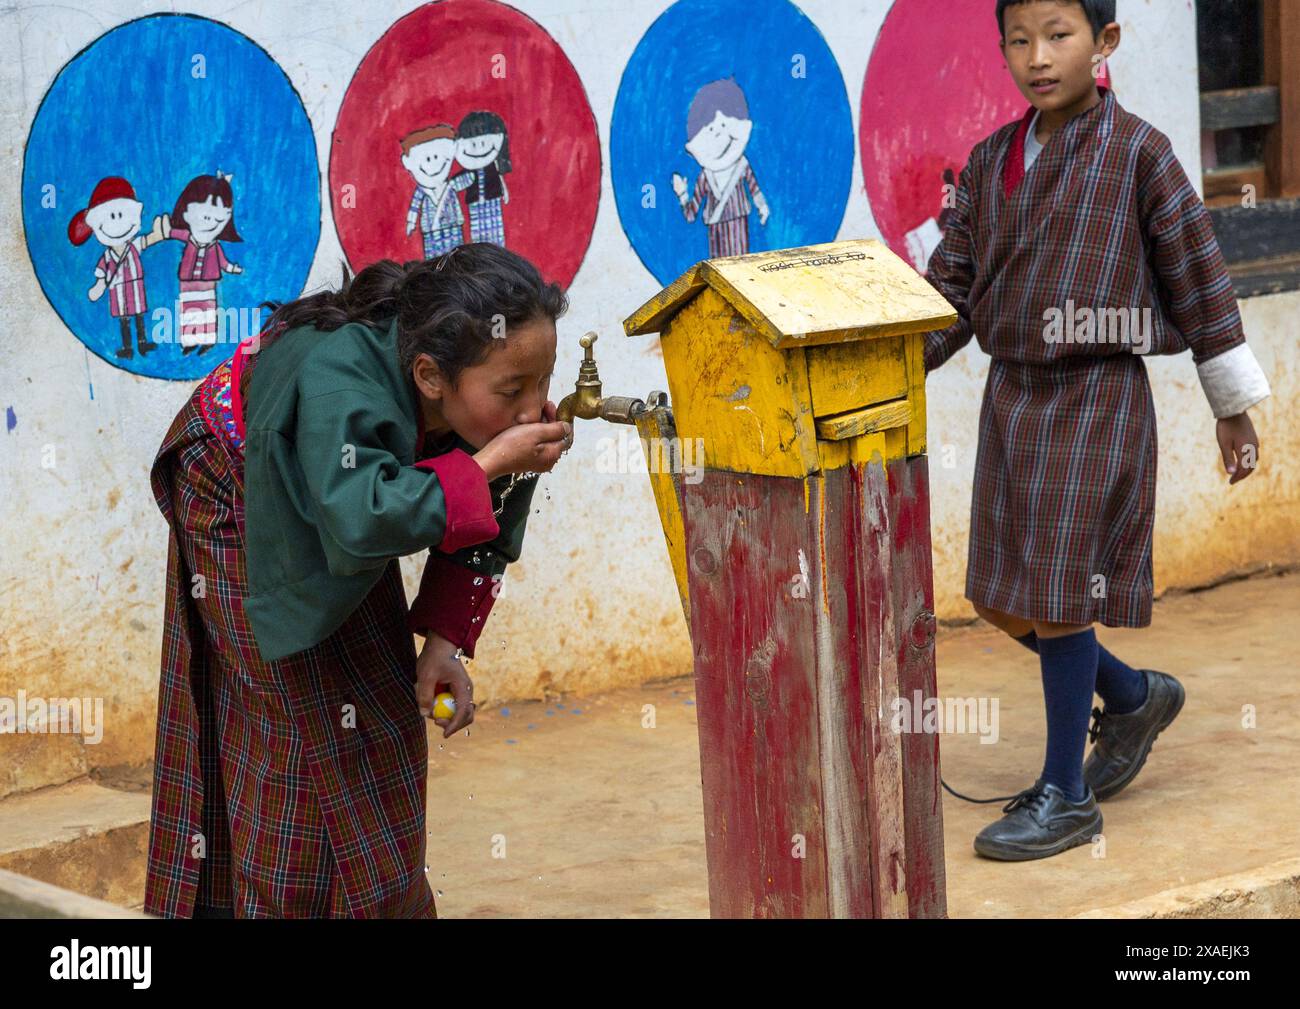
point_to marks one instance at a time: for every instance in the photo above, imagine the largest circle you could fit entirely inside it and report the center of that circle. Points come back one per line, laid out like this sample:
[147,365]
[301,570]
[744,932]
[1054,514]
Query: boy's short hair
[441,131]
[1100,13]
[723,96]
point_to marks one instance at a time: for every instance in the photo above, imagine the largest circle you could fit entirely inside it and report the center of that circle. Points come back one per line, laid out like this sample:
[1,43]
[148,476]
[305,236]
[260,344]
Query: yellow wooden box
[798,360]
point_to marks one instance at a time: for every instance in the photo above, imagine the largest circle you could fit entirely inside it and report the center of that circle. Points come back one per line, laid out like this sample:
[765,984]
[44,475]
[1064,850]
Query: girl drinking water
[392,416]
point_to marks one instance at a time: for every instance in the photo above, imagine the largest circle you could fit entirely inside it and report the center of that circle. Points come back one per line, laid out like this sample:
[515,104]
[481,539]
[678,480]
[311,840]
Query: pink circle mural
[935,86]
[466,122]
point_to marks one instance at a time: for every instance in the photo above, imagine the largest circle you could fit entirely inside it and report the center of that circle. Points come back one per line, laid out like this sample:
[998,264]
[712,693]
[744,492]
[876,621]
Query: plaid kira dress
[261,801]
[1063,503]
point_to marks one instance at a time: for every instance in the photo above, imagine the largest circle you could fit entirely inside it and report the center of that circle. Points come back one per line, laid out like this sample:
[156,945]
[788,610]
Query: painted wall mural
[466,122]
[144,153]
[158,224]
[731,133]
[935,87]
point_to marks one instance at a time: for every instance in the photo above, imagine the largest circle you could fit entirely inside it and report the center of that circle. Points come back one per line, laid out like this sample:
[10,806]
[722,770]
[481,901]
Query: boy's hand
[1239,446]
[436,669]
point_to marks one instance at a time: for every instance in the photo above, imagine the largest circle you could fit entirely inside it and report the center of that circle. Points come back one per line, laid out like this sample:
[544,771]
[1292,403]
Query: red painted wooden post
[809,809]
[804,558]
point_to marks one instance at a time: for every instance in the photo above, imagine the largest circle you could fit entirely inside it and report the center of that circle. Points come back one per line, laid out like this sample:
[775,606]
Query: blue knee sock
[1122,687]
[1069,675]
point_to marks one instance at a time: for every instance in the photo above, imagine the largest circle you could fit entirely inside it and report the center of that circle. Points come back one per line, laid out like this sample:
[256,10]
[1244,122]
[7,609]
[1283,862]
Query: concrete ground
[592,806]
[602,816]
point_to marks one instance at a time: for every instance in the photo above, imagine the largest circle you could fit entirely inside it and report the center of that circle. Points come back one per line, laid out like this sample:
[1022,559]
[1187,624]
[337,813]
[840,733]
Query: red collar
[1013,169]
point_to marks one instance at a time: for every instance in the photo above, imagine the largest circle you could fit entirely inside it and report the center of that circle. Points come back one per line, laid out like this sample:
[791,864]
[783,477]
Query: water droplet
[478,579]
[439,893]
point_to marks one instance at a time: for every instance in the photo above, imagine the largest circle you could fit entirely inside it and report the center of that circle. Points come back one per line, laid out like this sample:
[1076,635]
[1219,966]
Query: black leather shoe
[1122,742]
[1041,821]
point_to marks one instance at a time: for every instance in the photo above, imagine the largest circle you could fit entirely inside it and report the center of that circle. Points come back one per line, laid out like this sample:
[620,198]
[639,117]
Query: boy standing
[1076,245]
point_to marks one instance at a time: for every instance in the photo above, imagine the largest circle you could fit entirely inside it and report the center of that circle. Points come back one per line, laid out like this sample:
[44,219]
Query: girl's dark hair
[1099,13]
[202,188]
[480,124]
[451,308]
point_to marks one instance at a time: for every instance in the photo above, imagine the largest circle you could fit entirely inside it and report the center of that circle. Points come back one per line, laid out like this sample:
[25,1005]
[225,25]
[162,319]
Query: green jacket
[335,487]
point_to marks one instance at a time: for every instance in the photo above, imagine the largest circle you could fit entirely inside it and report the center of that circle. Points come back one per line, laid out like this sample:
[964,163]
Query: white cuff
[1233,381]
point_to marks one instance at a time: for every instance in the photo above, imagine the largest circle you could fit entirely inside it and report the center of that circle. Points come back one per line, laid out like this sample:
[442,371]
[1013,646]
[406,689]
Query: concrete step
[81,836]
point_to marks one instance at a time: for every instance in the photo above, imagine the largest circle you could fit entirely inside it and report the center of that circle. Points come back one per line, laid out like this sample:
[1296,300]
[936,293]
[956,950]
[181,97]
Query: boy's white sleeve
[1233,381]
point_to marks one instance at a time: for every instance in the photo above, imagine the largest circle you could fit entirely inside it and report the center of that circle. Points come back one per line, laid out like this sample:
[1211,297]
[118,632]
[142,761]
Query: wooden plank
[908,505]
[853,841]
[1226,187]
[873,574]
[1281,29]
[848,376]
[916,436]
[1235,108]
[882,417]
[1265,276]
[656,313]
[831,292]
[659,439]
[756,696]
[747,400]
[1266,231]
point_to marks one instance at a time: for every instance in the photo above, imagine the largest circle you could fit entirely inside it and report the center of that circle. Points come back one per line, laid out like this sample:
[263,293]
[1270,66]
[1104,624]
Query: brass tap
[586,401]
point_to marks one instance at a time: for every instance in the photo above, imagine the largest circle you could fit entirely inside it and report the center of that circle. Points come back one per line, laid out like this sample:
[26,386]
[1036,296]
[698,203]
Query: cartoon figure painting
[925,237]
[113,217]
[428,155]
[717,130]
[207,208]
[483,149]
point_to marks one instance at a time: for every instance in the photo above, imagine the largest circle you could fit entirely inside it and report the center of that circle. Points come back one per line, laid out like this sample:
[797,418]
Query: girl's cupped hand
[527,448]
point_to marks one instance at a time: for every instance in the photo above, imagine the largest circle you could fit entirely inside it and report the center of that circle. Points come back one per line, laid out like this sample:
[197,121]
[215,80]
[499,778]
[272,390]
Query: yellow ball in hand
[444,706]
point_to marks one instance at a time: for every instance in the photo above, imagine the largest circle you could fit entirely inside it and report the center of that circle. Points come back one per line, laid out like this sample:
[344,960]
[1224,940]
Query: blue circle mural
[731,134]
[170,185]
